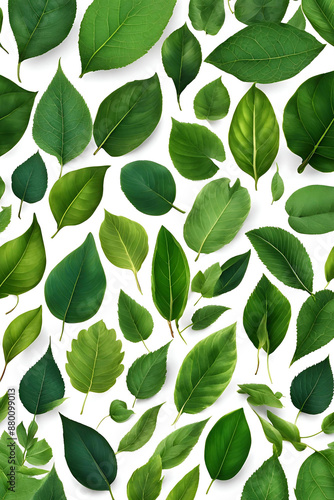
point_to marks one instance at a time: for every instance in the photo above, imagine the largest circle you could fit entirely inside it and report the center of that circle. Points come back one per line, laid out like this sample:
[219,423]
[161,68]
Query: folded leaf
[272,435]
[52,487]
[141,432]
[212,102]
[186,489]
[321,16]
[267,483]
[145,482]
[204,283]
[206,316]
[135,321]
[207,15]
[315,477]
[288,431]
[261,395]
[258,11]
[118,411]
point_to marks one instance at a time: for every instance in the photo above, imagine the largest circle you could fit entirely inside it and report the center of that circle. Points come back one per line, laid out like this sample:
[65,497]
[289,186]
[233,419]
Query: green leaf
[22,262]
[120,36]
[217,215]
[329,266]
[308,123]
[260,395]
[298,19]
[175,448]
[78,279]
[232,273]
[277,186]
[15,104]
[2,187]
[206,316]
[186,489]
[145,482]
[75,197]
[254,134]
[3,407]
[266,52]
[118,411]
[207,15]
[312,389]
[284,256]
[52,488]
[135,321]
[141,432]
[288,431]
[149,186]
[204,283]
[128,116]
[89,456]
[327,425]
[124,242]
[206,371]
[315,327]
[227,446]
[191,148]
[42,387]
[258,11]
[212,102]
[321,16]
[267,483]
[62,121]
[5,217]
[182,58]
[147,374]
[95,361]
[39,453]
[272,435]
[316,477]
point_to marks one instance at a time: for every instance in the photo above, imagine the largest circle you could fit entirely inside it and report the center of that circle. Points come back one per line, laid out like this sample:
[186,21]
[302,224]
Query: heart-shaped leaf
[118,411]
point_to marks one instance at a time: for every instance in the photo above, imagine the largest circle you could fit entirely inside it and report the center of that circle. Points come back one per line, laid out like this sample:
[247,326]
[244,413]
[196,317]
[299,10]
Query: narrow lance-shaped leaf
[207,15]
[257,11]
[212,102]
[141,432]
[186,489]
[268,482]
[135,321]
[145,483]
[277,186]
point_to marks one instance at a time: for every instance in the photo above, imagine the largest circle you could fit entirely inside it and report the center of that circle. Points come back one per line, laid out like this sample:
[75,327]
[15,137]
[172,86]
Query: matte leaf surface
[30,180]
[141,432]
[207,15]
[5,217]
[298,19]
[315,479]
[257,11]
[204,283]
[118,411]
[329,266]
[212,102]
[321,15]
[232,273]
[186,489]
[261,395]
[267,483]
[277,186]
[52,488]
[206,316]
[135,321]
[288,431]
[145,482]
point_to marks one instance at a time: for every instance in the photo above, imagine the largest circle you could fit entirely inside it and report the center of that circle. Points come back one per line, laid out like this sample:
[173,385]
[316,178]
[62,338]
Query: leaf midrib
[228,447]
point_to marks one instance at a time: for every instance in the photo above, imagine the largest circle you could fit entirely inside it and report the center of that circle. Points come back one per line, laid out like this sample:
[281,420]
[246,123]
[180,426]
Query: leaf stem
[19,214]
[3,48]
[83,406]
[312,435]
[297,416]
[229,6]
[178,101]
[134,403]
[258,361]
[18,72]
[197,301]
[180,333]
[171,328]
[178,209]
[58,229]
[207,491]
[177,417]
[268,368]
[98,425]
[143,341]
[136,278]
[3,373]
[112,496]
[186,328]
[61,169]
[327,285]
[62,331]
[17,301]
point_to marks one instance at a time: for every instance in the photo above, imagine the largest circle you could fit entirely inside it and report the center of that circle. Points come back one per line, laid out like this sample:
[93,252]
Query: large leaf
[128,116]
[320,13]
[89,456]
[266,52]
[75,288]
[119,36]
[312,389]
[206,371]
[52,488]
[207,15]
[315,479]
[284,255]
[15,104]
[135,321]
[261,395]
[206,316]
[186,489]
[212,102]
[95,361]
[75,197]
[182,58]
[287,430]
[267,483]
[62,121]
[145,483]
[254,134]
[124,242]
[257,11]
[141,432]
[191,148]
[217,215]
[308,123]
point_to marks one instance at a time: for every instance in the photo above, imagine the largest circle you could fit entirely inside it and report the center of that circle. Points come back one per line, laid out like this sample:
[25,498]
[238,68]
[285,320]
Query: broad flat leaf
[118,411]
[145,483]
[77,280]
[22,262]
[329,266]
[141,432]
[217,215]
[207,15]
[15,104]
[186,489]
[206,371]
[2,187]
[298,19]
[175,448]
[288,431]
[321,15]
[119,36]
[312,389]
[254,134]
[75,197]
[128,116]
[191,148]
[261,395]
[3,407]
[284,256]
[212,102]
[315,479]
[5,217]
[232,273]
[182,58]
[95,361]
[327,425]
[204,283]
[135,321]
[124,242]
[266,52]
[89,456]
[147,374]
[206,316]
[272,435]
[308,123]
[42,387]
[39,453]
[227,446]
[267,483]
[62,121]
[315,323]
[149,186]
[257,11]
[52,488]
[277,186]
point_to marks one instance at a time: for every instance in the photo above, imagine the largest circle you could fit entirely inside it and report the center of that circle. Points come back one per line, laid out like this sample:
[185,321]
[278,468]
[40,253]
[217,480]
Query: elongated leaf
[120,36]
[266,52]
[207,15]
[89,456]
[327,425]
[95,361]
[5,217]
[124,242]
[1,20]
[312,389]
[298,19]
[206,371]
[212,102]
[232,273]
[316,477]
[52,487]
[62,121]
[277,186]
[329,266]
[75,197]
[272,435]
[217,215]
[204,283]
[191,148]
[2,187]
[128,116]
[288,431]
[182,58]
[135,321]
[261,395]
[206,316]
[42,387]
[145,483]
[258,11]
[284,256]
[141,432]
[321,16]
[267,483]
[186,489]
[3,407]
[118,411]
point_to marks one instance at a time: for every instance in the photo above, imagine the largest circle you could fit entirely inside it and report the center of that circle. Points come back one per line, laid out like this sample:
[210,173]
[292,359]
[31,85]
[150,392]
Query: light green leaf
[2,187]
[135,321]
[212,102]
[298,19]
[118,411]
[288,431]
[327,425]
[261,395]
[316,477]
[145,483]
[204,283]
[51,488]
[267,483]
[321,16]
[39,453]
[272,435]
[141,432]
[5,217]
[186,489]
[329,266]
[277,186]
[206,316]
[258,11]
[3,407]
[207,15]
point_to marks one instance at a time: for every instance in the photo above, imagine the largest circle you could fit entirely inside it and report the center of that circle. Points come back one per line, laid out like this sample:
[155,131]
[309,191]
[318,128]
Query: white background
[36,74]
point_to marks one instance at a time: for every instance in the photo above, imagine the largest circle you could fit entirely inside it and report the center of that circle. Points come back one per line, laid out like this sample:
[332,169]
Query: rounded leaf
[212,102]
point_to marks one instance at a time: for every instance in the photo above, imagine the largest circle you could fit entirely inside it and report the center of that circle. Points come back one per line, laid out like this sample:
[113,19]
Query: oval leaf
[255,11]
[277,186]
[5,217]
[267,483]
[329,266]
[141,432]
[186,489]
[135,321]
[315,477]
[207,15]
[212,102]
[52,487]
[145,482]
[206,316]
[321,16]
[327,425]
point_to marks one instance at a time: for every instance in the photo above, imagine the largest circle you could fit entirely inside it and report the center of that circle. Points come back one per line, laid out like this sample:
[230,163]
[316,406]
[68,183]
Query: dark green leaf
[212,102]
[316,477]
[298,19]
[118,411]
[145,483]
[329,266]
[186,489]
[261,395]
[5,217]
[207,15]
[51,488]
[267,483]
[321,16]
[232,273]
[288,431]
[327,425]
[141,432]
[258,11]
[135,321]
[277,186]
[206,316]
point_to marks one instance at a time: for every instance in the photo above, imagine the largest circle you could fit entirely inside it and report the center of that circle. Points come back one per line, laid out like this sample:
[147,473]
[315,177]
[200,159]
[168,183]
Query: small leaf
[145,482]
[135,321]
[5,217]
[2,187]
[206,316]
[212,102]
[288,431]
[329,266]
[272,435]
[298,19]
[255,11]
[320,15]
[51,488]
[39,453]
[141,432]
[208,16]
[118,411]
[3,407]
[260,395]
[277,186]
[232,273]
[204,283]
[186,489]
[327,425]
[315,477]
[267,483]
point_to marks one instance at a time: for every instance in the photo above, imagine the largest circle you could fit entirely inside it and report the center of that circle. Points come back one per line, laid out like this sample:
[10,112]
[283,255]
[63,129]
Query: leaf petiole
[17,302]
[311,435]
[98,425]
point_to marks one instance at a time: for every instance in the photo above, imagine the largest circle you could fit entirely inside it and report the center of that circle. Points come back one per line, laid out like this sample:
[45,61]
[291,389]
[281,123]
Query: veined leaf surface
[207,15]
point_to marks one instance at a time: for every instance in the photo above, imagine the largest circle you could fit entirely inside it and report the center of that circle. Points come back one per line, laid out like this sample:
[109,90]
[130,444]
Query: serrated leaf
[51,488]
[118,411]
[260,395]
[207,15]
[135,321]
[5,217]
[277,186]
[145,483]
[316,477]
[321,16]
[288,431]
[258,11]
[141,432]
[298,19]
[186,489]
[327,425]
[206,316]
[267,483]
[212,102]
